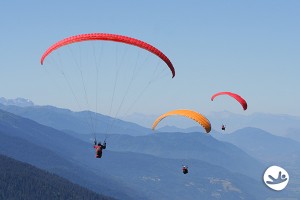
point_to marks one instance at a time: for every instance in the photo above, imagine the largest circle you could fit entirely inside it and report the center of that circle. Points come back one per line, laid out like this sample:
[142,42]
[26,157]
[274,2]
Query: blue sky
[250,48]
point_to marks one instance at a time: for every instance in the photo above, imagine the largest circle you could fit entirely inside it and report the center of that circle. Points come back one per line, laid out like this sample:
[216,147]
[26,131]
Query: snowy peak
[21,102]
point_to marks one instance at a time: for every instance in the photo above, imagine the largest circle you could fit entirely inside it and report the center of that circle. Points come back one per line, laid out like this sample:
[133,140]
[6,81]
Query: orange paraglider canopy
[203,121]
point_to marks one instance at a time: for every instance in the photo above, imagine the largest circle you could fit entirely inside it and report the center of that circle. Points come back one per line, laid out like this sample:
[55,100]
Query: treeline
[23,181]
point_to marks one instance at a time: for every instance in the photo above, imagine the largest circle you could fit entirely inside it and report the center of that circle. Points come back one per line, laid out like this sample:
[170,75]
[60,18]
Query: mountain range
[123,175]
[85,122]
[141,164]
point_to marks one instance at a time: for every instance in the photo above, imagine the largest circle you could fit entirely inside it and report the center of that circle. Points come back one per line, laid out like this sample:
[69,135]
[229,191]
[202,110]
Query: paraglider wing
[203,121]
[110,37]
[236,96]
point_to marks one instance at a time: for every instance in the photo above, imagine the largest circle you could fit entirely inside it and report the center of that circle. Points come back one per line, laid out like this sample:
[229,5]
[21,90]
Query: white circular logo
[276,178]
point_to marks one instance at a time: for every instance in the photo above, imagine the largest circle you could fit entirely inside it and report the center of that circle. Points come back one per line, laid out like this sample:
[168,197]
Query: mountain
[261,144]
[293,134]
[123,175]
[21,102]
[268,148]
[82,122]
[277,124]
[57,152]
[20,180]
[199,146]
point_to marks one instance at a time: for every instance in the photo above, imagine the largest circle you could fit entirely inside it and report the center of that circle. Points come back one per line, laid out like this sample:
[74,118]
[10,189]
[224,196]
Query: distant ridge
[80,122]
[16,102]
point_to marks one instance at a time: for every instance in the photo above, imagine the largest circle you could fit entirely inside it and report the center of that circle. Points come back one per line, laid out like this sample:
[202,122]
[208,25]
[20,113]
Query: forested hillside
[22,181]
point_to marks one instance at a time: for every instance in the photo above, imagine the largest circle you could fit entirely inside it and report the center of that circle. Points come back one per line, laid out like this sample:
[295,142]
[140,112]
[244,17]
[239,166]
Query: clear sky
[248,47]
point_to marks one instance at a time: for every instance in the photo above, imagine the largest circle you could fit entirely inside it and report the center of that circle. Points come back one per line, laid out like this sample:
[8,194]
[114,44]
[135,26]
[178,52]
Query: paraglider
[236,97]
[109,37]
[202,120]
[99,147]
[223,127]
[94,63]
[185,169]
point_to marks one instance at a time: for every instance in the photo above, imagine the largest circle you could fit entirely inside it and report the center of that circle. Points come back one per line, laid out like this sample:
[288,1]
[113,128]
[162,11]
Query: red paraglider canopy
[110,37]
[236,96]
